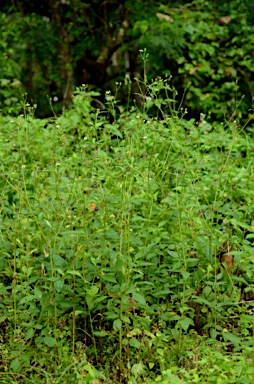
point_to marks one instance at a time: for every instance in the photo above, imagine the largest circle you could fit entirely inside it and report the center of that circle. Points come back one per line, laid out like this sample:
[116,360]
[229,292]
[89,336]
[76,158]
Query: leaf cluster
[115,241]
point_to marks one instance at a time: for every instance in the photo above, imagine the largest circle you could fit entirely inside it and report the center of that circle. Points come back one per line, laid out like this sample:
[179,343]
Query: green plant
[118,240]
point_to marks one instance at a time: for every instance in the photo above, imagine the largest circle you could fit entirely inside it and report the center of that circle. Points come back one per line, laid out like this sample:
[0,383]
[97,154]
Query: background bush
[51,48]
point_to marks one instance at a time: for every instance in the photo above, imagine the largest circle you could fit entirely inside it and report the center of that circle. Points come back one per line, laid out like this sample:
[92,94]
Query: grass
[126,246]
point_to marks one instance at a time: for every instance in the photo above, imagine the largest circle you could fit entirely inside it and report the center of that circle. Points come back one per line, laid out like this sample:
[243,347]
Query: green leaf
[58,260]
[78,313]
[37,293]
[74,273]
[125,319]
[213,333]
[237,223]
[48,223]
[134,343]
[137,369]
[185,323]
[50,341]
[228,336]
[38,340]
[2,262]
[27,299]
[111,234]
[117,324]
[26,358]
[111,315]
[93,290]
[59,285]
[90,301]
[185,275]
[108,278]
[66,303]
[38,326]
[29,333]
[15,365]
[113,130]
[163,292]
[139,298]
[101,334]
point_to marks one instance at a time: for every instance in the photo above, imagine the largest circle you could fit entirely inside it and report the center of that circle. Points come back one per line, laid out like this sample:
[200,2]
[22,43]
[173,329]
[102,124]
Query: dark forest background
[48,48]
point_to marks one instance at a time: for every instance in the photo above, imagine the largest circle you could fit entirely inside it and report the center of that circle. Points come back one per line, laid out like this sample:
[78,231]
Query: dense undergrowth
[126,247]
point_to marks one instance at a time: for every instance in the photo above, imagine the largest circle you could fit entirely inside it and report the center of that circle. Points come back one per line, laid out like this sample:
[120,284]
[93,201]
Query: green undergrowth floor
[126,249]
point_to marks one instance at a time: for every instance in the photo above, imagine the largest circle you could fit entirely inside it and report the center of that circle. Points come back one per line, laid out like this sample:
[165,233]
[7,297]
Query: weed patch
[126,247]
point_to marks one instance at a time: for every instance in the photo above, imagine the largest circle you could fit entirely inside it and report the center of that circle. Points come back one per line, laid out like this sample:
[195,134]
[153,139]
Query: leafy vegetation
[49,48]
[126,245]
[126,227]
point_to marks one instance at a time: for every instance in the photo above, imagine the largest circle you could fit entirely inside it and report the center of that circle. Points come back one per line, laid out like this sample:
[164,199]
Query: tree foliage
[52,47]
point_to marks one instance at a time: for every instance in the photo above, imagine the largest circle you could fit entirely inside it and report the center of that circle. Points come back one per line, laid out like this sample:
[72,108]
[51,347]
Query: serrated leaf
[137,369]
[125,319]
[111,315]
[15,365]
[139,298]
[134,343]
[108,278]
[49,341]
[185,275]
[90,301]
[162,292]
[213,333]
[185,323]
[233,338]
[59,285]
[74,273]
[38,326]
[37,293]
[29,333]
[27,299]
[58,260]
[26,358]
[117,324]
[66,303]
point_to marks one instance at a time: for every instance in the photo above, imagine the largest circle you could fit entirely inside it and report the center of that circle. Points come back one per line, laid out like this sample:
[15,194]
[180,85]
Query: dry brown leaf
[226,257]
[225,19]
[93,207]
[162,16]
[133,307]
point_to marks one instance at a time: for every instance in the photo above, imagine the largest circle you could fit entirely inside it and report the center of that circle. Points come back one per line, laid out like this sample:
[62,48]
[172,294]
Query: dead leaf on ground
[162,16]
[226,257]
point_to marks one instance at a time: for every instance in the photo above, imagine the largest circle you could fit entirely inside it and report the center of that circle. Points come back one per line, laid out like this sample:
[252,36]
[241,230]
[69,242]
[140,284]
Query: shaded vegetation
[126,246]
[126,227]
[48,48]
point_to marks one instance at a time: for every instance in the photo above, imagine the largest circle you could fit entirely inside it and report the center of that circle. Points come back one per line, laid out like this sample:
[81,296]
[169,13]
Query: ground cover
[126,246]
